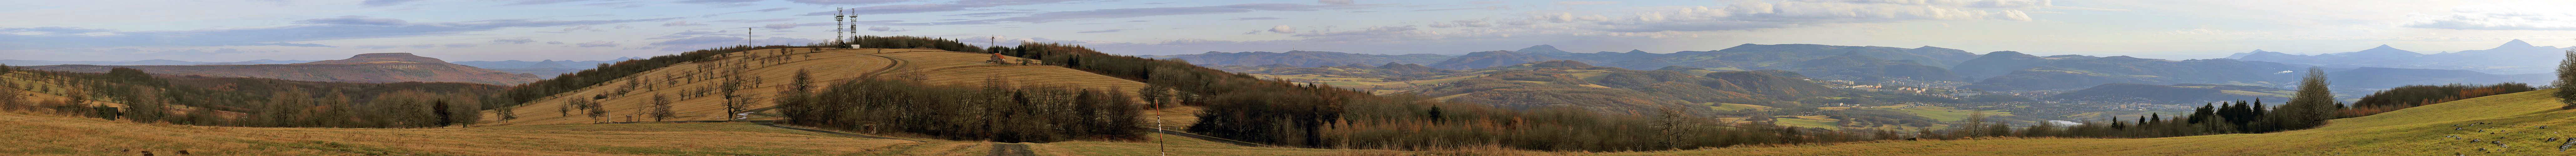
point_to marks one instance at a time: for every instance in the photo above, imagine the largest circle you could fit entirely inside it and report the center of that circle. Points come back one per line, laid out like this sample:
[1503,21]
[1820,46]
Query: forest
[994,111]
[2419,95]
[248,102]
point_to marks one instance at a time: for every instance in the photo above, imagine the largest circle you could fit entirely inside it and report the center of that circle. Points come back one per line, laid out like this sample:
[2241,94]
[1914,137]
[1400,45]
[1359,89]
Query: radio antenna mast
[836,26]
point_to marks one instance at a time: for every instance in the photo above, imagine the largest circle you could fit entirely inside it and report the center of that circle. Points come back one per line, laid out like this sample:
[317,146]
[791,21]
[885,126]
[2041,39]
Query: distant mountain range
[2008,70]
[367,68]
[1301,58]
[2514,57]
[545,68]
[2374,68]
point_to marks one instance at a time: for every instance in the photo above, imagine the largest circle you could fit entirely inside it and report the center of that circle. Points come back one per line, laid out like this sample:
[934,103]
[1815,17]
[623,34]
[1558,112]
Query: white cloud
[1336,2]
[598,44]
[2500,17]
[1585,2]
[1283,29]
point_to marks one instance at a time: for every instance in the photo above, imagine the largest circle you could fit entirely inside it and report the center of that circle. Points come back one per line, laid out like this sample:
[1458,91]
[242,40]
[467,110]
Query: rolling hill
[2510,127]
[363,68]
[772,71]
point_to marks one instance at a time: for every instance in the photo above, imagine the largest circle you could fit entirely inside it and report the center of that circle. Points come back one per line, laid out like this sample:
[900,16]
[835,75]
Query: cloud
[1585,2]
[1761,15]
[536,2]
[514,41]
[378,3]
[1463,23]
[1336,2]
[52,30]
[696,32]
[847,1]
[283,44]
[459,45]
[377,46]
[756,20]
[554,42]
[722,3]
[313,30]
[698,40]
[581,27]
[1254,18]
[1472,8]
[1102,31]
[938,7]
[682,23]
[2498,18]
[617,4]
[354,20]
[761,10]
[423,46]
[1166,11]
[779,26]
[989,14]
[1283,29]
[597,44]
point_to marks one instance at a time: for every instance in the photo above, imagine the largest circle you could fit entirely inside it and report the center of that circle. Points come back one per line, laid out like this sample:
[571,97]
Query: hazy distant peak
[2516,43]
[1542,49]
[1636,51]
[2382,50]
[380,58]
[2005,53]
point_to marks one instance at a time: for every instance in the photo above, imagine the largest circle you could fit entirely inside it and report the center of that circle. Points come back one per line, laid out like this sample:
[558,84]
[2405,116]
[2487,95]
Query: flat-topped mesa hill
[691,86]
[363,68]
[382,58]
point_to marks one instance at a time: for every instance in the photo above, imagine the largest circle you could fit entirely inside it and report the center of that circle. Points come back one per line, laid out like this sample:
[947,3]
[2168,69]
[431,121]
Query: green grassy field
[2412,131]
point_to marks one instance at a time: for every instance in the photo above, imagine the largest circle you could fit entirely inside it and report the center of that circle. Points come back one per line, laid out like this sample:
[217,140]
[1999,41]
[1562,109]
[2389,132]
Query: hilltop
[363,68]
[771,71]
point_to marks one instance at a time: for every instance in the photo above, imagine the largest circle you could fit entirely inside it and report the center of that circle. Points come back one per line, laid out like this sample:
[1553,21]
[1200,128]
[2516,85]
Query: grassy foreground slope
[58,135]
[2512,118]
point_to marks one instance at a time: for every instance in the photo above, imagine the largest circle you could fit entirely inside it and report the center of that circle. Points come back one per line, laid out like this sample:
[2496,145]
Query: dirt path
[891,64]
[1011,150]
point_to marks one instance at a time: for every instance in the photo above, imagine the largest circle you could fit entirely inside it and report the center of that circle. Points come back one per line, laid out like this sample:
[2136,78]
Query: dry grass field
[60,135]
[830,65]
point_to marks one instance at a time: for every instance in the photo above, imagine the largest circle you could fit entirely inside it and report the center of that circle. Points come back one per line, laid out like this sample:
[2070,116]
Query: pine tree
[2566,78]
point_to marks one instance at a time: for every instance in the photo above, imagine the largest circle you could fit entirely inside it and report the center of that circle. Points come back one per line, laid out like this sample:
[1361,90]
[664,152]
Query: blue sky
[462,30]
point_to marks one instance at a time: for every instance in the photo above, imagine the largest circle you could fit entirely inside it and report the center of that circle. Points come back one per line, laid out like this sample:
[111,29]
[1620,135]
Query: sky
[491,30]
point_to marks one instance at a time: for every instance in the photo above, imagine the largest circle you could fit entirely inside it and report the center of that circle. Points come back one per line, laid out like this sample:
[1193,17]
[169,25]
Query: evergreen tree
[2566,78]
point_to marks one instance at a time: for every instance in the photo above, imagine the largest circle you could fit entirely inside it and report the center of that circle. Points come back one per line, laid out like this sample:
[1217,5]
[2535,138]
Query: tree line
[2419,95]
[995,111]
[249,102]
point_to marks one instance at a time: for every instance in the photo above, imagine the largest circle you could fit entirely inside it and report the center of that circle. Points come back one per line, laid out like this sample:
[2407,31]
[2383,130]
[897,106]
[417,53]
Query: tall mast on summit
[837,17]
